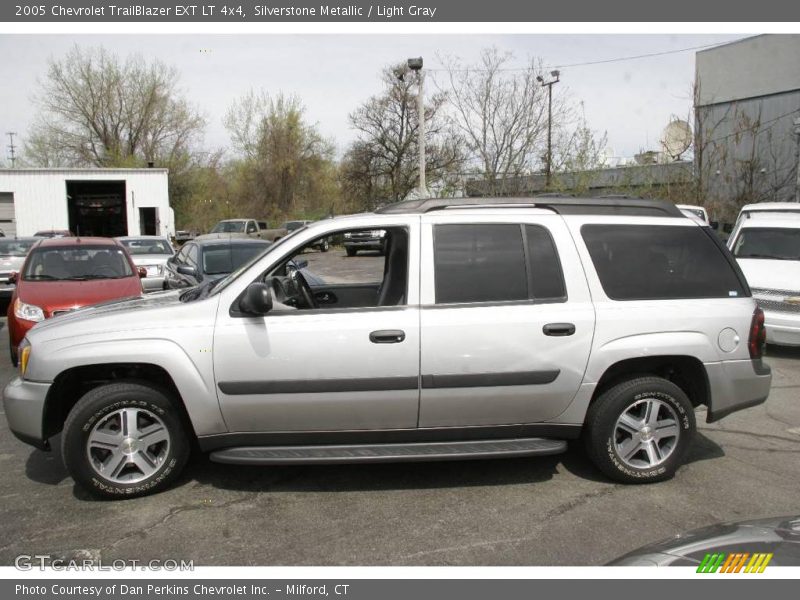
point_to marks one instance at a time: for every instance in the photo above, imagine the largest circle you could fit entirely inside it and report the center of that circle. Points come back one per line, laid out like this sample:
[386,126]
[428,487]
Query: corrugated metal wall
[40,196]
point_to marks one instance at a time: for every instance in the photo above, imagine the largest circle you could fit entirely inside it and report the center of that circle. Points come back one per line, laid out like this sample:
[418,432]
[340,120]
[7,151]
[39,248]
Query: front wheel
[351,251]
[639,430]
[123,440]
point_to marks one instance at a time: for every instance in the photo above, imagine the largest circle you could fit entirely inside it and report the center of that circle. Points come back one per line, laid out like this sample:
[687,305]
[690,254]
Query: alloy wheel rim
[646,433]
[128,445]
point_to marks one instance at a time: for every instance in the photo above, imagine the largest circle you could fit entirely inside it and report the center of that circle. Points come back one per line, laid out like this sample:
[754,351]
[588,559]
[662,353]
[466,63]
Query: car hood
[771,274]
[150,259]
[11,263]
[67,295]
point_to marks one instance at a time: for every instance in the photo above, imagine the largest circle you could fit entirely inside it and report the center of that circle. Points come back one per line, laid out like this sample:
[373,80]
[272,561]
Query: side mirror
[142,272]
[257,300]
[301,264]
[12,277]
[714,225]
[187,270]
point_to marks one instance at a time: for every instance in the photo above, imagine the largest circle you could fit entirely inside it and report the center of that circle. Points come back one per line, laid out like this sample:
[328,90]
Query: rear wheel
[639,430]
[123,440]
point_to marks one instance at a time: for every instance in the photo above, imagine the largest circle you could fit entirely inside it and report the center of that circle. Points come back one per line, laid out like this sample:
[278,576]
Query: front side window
[776,243]
[72,263]
[657,262]
[229,227]
[223,259]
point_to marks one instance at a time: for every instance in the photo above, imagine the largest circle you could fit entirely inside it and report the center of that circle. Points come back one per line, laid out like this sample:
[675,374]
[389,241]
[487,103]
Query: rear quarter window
[659,262]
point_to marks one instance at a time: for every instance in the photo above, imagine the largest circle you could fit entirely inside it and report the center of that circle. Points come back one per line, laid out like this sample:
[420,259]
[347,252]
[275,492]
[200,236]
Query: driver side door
[331,368]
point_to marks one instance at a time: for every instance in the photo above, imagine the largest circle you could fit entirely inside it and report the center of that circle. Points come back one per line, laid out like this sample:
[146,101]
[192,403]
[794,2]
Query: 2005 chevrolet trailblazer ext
[500,327]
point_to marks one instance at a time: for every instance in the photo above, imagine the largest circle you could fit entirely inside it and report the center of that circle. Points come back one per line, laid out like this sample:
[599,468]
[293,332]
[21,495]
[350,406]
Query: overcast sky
[632,100]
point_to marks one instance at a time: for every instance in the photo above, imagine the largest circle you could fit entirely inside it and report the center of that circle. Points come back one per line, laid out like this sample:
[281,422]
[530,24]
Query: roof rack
[561,204]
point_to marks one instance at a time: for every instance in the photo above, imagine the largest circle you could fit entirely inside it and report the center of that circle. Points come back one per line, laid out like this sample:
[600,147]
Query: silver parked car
[12,255]
[151,252]
[496,327]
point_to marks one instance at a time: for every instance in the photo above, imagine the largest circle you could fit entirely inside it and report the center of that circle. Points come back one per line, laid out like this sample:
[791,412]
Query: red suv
[62,274]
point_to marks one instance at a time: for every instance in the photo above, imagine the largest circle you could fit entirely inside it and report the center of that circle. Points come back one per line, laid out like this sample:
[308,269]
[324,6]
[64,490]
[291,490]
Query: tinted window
[191,255]
[645,262]
[546,278]
[479,263]
[225,259]
[768,242]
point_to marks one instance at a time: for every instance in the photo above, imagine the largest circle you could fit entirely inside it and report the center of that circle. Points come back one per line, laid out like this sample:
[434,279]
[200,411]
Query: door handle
[559,329]
[387,336]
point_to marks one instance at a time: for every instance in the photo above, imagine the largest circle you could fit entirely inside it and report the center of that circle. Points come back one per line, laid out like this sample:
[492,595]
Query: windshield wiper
[40,276]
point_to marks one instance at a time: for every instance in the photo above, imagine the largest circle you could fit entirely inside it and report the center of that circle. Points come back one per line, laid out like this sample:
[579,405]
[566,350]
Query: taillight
[758,334]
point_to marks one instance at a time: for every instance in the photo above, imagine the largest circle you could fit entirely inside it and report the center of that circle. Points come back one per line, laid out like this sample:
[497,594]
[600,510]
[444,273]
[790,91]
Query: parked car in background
[766,245]
[498,327]
[12,254]
[54,233]
[152,253]
[247,228]
[373,239]
[323,245]
[691,210]
[204,261]
[63,274]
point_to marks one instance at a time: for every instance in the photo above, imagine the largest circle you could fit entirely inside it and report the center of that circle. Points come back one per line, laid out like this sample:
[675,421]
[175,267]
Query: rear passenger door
[506,320]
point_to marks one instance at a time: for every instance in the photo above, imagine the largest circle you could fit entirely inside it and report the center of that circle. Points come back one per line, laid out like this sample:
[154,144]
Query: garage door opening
[97,208]
[148,220]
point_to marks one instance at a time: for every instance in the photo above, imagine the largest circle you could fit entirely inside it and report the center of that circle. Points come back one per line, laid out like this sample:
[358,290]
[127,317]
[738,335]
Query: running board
[363,453]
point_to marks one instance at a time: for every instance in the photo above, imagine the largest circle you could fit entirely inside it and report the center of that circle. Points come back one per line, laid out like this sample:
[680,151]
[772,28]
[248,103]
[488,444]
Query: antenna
[676,138]
[12,148]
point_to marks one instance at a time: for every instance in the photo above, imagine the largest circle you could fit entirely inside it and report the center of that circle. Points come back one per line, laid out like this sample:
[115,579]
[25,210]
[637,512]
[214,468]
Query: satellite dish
[676,138]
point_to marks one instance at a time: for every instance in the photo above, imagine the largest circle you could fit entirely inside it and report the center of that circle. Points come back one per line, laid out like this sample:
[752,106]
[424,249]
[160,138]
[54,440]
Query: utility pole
[797,152]
[415,64]
[549,85]
[12,148]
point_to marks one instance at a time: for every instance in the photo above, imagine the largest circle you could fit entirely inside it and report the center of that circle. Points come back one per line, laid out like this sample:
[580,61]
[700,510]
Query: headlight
[23,353]
[27,312]
[377,233]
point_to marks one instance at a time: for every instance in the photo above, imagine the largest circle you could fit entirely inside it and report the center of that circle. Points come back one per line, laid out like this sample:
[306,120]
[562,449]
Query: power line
[590,63]
[12,148]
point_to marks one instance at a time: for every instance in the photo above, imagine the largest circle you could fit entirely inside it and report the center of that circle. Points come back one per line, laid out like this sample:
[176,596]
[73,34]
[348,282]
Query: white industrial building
[99,202]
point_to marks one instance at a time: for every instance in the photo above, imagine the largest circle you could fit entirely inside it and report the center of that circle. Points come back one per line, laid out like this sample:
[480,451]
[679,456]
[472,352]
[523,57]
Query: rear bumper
[153,284]
[24,403]
[735,385]
[783,329]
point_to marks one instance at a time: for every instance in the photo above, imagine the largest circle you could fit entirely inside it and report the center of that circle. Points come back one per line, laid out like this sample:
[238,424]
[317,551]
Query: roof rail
[561,204]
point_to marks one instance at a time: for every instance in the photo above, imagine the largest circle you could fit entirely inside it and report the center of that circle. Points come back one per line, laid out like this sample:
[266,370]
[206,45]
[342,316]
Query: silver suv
[494,328]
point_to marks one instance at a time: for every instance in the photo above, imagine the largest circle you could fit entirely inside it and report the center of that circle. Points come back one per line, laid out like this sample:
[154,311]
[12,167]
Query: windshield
[147,246]
[76,263]
[229,227]
[15,247]
[221,260]
[776,243]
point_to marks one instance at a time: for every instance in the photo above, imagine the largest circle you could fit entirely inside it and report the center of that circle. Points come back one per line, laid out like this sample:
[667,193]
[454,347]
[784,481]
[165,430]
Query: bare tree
[501,113]
[382,163]
[98,110]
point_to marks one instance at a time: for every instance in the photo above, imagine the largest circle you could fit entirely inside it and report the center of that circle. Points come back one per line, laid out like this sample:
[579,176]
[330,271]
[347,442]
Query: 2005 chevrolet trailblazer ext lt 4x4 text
[500,327]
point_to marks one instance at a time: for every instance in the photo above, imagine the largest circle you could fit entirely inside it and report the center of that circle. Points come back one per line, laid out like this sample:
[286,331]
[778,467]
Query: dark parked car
[365,240]
[203,261]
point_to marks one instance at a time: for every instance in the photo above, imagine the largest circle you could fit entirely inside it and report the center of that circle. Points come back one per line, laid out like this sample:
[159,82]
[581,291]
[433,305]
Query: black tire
[603,439]
[104,401]
[13,355]
[351,251]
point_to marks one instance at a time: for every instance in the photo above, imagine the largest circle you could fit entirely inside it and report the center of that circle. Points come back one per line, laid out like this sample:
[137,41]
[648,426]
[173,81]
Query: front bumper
[735,385]
[7,290]
[371,244]
[783,329]
[24,403]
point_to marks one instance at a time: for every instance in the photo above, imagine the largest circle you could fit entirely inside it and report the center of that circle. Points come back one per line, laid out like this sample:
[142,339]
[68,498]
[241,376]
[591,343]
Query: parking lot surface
[540,511]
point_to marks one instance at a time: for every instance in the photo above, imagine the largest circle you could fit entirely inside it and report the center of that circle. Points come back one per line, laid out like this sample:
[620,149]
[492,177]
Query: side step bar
[363,453]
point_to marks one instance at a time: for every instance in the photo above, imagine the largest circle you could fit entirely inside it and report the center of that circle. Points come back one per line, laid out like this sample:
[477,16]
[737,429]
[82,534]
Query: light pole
[549,85]
[415,64]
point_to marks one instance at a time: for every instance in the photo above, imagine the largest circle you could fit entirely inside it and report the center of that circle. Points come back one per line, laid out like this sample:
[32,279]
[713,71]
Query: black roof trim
[563,205]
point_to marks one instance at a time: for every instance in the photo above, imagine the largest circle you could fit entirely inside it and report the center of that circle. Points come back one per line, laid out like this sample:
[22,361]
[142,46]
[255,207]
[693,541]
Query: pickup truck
[247,228]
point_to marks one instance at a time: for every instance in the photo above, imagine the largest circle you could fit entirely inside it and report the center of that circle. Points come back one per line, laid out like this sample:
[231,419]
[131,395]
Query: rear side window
[649,262]
[495,263]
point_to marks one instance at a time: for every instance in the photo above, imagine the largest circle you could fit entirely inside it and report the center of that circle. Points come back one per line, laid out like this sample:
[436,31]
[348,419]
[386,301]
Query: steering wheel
[303,287]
